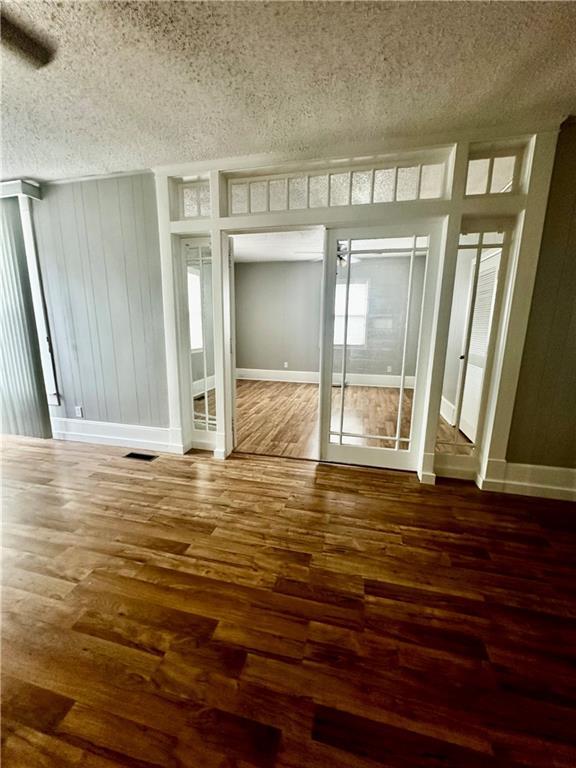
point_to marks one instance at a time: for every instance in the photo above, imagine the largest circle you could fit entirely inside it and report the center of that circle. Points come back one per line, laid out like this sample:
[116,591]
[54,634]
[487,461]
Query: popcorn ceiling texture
[137,84]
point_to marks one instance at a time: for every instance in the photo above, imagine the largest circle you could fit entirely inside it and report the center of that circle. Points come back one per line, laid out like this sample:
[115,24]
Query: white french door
[378,313]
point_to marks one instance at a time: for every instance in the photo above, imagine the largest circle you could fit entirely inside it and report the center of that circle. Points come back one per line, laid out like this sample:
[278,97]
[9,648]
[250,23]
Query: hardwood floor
[264,613]
[277,418]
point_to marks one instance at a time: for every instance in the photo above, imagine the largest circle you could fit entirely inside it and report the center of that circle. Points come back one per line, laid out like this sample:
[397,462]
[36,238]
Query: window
[195,310]
[357,311]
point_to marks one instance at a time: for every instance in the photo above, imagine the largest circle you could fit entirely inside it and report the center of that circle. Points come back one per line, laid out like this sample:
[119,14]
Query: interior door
[378,312]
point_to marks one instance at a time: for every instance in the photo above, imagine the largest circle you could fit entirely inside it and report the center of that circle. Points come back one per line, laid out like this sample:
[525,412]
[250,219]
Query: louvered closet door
[479,341]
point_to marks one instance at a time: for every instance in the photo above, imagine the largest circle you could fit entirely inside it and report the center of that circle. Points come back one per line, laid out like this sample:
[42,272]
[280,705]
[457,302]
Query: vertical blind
[24,408]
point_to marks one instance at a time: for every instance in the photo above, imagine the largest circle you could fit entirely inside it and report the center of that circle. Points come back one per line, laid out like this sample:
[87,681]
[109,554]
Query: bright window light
[195,310]
[357,312]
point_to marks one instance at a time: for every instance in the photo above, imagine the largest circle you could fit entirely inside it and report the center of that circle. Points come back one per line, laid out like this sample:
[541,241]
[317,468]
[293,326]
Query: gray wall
[544,421]
[100,263]
[387,280]
[278,315]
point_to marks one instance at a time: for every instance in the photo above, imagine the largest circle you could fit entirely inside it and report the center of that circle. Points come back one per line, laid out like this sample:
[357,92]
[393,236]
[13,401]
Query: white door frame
[527,204]
[381,457]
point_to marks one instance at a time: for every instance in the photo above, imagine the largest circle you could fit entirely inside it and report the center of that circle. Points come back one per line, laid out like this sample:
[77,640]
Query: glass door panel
[375,294]
[198,262]
[470,339]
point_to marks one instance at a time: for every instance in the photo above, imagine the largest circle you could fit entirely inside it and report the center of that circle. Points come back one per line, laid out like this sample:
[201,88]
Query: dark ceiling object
[37,52]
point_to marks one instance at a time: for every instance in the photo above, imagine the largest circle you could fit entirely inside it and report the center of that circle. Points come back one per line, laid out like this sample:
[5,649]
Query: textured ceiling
[146,83]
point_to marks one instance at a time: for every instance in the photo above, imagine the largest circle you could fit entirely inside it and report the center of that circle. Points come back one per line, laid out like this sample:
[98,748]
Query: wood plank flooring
[278,418]
[273,613]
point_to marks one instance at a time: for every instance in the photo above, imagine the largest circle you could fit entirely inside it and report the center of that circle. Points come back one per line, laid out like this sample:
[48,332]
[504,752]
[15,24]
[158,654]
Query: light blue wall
[100,262]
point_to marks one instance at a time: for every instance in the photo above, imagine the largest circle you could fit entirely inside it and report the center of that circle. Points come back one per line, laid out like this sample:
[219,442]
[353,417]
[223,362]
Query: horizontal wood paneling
[100,261]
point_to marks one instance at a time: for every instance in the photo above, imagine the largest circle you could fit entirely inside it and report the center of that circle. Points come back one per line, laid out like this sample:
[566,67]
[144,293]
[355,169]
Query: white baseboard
[447,410]
[529,480]
[162,439]
[313,377]
[457,467]
[263,374]
[128,435]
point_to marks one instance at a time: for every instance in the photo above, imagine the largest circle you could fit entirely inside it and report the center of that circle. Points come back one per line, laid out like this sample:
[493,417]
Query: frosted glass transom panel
[384,184]
[361,187]
[326,189]
[407,184]
[318,191]
[431,181]
[239,202]
[258,193]
[339,188]
[297,192]
[278,194]
[195,199]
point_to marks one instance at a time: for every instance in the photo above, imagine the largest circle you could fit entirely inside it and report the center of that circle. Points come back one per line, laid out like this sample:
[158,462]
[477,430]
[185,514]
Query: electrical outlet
[285,365]
[389,369]
[79,411]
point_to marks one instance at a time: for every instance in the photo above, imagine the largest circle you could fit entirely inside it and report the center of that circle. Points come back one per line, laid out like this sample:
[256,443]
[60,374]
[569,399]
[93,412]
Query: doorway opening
[277,286]
[332,341]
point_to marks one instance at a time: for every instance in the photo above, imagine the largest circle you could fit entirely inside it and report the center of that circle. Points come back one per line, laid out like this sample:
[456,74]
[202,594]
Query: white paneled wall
[98,247]
[23,400]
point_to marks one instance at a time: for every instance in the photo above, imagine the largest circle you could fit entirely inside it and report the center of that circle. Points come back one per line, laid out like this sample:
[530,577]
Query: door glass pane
[469,336]
[201,335]
[377,308]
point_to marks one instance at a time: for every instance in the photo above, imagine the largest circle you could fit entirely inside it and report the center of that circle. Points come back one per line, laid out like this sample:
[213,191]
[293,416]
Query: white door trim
[381,457]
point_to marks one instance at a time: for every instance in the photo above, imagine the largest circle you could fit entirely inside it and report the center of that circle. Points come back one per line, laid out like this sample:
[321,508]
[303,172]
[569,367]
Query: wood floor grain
[280,418]
[274,613]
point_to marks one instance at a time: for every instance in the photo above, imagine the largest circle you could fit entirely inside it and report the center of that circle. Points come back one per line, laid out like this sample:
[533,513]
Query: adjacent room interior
[278,292]
[278,295]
